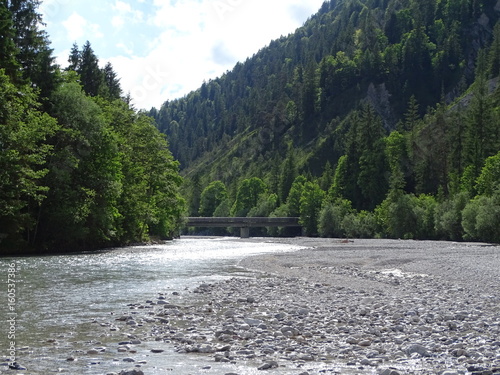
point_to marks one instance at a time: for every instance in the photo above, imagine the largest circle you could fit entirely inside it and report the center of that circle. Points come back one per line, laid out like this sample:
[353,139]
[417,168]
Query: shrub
[448,217]
[360,225]
[481,218]
[331,216]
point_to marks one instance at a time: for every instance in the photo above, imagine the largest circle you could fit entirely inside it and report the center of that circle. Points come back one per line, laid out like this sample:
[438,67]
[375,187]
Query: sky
[163,49]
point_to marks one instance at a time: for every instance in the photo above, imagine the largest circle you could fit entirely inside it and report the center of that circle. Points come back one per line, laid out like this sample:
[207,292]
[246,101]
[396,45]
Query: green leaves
[23,152]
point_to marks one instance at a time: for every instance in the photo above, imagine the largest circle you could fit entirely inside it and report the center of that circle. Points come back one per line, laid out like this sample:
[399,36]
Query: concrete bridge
[244,223]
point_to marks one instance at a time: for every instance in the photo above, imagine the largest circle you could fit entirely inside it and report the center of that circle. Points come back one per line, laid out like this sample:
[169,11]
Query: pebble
[294,322]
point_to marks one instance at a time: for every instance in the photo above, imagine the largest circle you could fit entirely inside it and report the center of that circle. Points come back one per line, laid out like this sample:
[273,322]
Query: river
[62,307]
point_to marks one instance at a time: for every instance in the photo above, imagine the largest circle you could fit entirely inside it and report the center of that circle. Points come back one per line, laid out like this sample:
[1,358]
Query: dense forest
[376,118]
[79,167]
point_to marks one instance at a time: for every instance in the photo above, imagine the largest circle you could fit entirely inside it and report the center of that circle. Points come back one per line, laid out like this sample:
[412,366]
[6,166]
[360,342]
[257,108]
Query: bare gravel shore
[354,307]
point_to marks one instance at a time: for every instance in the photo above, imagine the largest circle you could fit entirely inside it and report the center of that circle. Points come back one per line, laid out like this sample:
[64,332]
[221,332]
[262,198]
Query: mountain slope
[301,95]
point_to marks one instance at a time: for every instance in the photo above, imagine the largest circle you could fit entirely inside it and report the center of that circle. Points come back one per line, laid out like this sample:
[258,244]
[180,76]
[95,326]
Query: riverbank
[362,306]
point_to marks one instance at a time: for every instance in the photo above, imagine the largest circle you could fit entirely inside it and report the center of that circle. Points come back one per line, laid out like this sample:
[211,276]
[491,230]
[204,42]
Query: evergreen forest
[376,118]
[80,168]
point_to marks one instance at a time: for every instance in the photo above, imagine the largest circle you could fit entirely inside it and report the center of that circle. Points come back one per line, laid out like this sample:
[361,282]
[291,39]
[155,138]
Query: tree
[494,53]
[395,151]
[249,192]
[112,83]
[480,126]
[340,180]
[293,201]
[33,51]
[24,151]
[371,176]
[92,77]
[488,181]
[74,59]
[8,49]
[84,178]
[310,206]
[211,197]
[288,175]
[150,203]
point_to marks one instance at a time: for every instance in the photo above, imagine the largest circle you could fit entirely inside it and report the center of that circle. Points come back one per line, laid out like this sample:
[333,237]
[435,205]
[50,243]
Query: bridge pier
[245,232]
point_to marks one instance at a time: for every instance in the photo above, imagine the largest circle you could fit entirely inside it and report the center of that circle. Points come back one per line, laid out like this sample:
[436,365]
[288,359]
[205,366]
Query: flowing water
[62,306]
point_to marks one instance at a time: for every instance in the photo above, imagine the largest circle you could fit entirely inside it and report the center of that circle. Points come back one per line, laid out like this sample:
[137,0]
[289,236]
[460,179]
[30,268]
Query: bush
[407,216]
[481,219]
[448,217]
[360,225]
[331,217]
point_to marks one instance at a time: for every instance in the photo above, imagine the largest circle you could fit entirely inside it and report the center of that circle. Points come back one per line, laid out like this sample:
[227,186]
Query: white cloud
[75,26]
[78,27]
[125,14]
[162,49]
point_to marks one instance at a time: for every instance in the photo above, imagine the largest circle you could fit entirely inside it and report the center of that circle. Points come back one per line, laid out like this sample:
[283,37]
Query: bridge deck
[242,222]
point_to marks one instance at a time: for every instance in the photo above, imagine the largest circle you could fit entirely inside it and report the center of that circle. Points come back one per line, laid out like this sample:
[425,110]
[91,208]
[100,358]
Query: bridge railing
[244,223]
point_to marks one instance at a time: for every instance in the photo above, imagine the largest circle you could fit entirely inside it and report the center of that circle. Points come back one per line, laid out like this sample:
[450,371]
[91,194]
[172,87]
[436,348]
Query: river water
[66,305]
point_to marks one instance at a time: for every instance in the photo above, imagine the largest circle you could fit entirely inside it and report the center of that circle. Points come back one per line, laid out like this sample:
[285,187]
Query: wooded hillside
[385,109]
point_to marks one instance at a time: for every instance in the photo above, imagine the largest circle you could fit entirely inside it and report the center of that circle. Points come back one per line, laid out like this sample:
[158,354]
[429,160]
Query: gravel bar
[344,306]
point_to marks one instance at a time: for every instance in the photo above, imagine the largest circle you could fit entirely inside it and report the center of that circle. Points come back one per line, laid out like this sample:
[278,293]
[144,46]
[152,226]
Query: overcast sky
[163,49]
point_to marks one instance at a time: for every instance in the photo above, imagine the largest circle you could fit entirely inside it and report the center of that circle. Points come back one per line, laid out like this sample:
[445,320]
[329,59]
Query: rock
[389,371]
[365,343]
[253,322]
[351,340]
[128,359]
[268,365]
[131,372]
[17,366]
[416,349]
[157,351]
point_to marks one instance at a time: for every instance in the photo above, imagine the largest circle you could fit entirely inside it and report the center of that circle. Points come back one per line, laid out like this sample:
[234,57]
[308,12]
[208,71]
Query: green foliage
[407,216]
[340,180]
[488,181]
[449,217]
[311,201]
[23,153]
[337,90]
[8,48]
[249,192]
[331,217]
[265,206]
[211,197]
[76,172]
[360,225]
[481,218]
[293,201]
[85,170]
[389,53]
[95,81]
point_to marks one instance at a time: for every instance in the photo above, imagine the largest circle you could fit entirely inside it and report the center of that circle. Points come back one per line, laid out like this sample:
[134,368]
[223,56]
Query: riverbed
[66,306]
[287,306]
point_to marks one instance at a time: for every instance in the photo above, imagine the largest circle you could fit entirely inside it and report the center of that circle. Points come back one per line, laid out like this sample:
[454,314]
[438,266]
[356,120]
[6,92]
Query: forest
[80,168]
[376,118]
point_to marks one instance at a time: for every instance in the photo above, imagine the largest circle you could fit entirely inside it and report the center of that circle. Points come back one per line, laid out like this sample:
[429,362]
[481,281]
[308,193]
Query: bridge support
[245,232]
